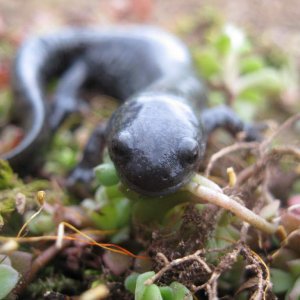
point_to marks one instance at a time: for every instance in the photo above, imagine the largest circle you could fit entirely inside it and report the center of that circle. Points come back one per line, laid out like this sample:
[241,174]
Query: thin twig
[163,258]
[225,263]
[280,151]
[176,262]
[267,158]
[227,150]
[262,270]
[288,123]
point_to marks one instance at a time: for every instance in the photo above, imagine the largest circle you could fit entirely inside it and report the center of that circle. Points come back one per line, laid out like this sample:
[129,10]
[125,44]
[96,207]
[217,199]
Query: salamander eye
[188,151]
[120,145]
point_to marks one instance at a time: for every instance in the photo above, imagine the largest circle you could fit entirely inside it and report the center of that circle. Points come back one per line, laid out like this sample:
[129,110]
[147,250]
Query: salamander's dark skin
[156,138]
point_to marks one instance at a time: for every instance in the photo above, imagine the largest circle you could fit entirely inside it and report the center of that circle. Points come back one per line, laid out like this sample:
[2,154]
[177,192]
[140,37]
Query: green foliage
[140,287]
[150,292]
[294,267]
[9,278]
[7,177]
[207,62]
[166,292]
[114,214]
[51,281]
[62,156]
[180,292]
[10,186]
[294,292]
[42,223]
[115,204]
[285,277]
[223,44]
[135,283]
[6,206]
[130,282]
[111,209]
[228,60]
[251,63]
[282,281]
[106,174]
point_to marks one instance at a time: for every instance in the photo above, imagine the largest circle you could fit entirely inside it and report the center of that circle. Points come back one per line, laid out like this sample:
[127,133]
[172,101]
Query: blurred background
[260,79]
[276,20]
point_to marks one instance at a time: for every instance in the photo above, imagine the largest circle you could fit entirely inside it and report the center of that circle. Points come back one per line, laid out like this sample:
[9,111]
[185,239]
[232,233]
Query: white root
[215,196]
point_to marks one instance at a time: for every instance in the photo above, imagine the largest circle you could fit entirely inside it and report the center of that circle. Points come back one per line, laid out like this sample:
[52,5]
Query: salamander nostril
[120,146]
[188,151]
[165,177]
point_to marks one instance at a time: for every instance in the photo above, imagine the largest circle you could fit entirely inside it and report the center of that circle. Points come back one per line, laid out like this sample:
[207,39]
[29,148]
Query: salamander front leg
[91,157]
[224,117]
[66,101]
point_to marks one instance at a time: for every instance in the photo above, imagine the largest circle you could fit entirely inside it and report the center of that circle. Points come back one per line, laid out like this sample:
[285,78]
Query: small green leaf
[282,281]
[123,209]
[9,277]
[66,157]
[166,292]
[294,267]
[101,196]
[7,206]
[140,286]
[106,174]
[267,79]
[223,44]
[113,192]
[105,219]
[251,64]
[152,292]
[207,63]
[6,175]
[130,282]
[114,214]
[104,194]
[180,291]
[42,223]
[252,95]
[294,293]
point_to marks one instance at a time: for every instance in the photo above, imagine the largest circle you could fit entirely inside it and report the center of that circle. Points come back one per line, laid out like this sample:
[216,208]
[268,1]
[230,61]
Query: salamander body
[157,136]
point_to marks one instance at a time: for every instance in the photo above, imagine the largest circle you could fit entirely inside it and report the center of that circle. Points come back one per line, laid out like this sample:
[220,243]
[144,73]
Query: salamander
[157,136]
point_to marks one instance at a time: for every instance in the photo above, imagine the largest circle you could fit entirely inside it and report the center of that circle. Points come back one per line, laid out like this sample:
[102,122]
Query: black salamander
[156,138]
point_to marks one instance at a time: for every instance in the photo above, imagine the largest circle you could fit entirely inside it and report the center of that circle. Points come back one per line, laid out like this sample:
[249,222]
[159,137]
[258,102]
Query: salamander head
[156,144]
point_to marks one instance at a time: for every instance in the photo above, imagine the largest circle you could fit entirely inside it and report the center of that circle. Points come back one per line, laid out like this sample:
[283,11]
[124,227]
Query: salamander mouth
[156,193]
